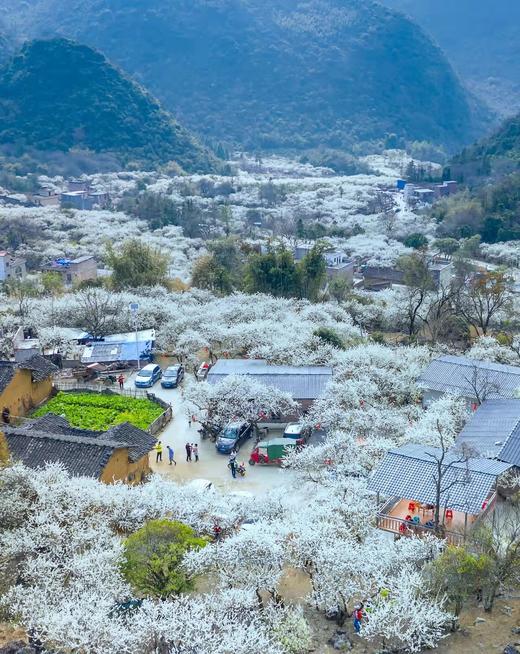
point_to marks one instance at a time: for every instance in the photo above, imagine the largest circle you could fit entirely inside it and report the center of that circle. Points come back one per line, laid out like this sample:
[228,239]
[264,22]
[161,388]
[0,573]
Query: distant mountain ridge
[56,95]
[274,73]
[481,39]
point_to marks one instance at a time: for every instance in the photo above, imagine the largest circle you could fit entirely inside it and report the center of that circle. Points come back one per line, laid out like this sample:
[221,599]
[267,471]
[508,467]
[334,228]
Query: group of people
[192,451]
[159,452]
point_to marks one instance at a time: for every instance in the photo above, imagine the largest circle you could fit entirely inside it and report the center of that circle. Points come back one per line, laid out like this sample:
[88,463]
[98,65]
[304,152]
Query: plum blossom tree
[410,616]
[236,397]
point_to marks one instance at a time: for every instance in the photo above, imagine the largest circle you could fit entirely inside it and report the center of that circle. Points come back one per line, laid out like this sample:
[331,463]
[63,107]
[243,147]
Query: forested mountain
[56,95]
[491,206]
[270,73]
[493,156]
[481,39]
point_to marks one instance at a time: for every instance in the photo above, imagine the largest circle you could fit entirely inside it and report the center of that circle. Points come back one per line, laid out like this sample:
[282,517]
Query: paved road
[212,465]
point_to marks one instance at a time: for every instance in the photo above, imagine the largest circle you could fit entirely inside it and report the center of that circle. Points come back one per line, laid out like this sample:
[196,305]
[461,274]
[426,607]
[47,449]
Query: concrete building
[11,267]
[75,271]
[337,263]
[84,200]
[377,277]
[119,454]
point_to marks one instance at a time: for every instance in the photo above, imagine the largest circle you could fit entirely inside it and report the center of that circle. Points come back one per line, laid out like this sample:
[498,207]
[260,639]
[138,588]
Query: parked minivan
[147,376]
[172,376]
[296,431]
[232,437]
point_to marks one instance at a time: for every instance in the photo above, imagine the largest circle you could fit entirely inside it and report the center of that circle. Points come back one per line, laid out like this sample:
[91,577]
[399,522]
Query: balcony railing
[394,525]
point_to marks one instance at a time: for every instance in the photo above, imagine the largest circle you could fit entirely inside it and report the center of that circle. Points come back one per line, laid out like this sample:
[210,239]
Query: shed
[304,383]
[469,378]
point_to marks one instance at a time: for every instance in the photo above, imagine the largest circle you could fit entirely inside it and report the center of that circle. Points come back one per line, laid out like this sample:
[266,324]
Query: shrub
[153,558]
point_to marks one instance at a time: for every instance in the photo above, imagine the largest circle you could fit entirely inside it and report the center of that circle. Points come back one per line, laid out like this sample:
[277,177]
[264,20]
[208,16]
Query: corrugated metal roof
[461,376]
[410,472]
[493,430]
[302,382]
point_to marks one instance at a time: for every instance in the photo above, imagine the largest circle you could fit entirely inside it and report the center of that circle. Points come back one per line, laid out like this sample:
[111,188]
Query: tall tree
[481,296]
[137,264]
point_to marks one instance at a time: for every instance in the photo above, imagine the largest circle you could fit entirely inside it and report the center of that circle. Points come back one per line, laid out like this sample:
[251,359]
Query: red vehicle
[271,452]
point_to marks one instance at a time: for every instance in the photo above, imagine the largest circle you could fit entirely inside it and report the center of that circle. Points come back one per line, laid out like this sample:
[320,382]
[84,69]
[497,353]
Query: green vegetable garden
[100,412]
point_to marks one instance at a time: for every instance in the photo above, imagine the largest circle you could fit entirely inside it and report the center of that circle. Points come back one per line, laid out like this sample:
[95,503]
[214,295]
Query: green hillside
[274,73]
[480,38]
[494,156]
[56,95]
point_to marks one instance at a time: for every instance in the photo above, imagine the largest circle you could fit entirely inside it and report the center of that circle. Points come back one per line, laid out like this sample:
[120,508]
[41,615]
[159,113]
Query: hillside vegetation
[271,73]
[480,39]
[56,95]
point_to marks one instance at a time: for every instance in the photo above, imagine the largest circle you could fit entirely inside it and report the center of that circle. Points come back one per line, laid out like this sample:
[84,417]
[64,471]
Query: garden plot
[100,412]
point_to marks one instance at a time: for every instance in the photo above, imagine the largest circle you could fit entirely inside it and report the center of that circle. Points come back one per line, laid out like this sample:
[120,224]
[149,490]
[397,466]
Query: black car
[172,376]
[232,437]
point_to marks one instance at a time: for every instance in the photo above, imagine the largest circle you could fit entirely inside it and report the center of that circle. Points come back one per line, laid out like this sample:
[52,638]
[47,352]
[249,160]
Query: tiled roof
[138,441]
[410,471]
[302,382]
[82,457]
[494,431]
[461,376]
[54,424]
[40,367]
[6,374]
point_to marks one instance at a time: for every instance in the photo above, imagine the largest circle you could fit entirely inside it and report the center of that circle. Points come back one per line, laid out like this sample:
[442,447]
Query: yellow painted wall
[22,394]
[119,468]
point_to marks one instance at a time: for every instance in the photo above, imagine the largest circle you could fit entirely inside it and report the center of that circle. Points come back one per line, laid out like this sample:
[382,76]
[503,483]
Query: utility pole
[134,308]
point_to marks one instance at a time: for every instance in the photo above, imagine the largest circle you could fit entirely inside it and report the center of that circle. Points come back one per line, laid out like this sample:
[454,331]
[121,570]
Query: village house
[11,267]
[407,480]
[75,271]
[337,263]
[24,385]
[378,277]
[304,383]
[471,379]
[119,454]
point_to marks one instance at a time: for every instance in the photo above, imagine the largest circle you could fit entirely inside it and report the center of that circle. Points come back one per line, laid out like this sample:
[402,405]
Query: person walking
[188,452]
[358,616]
[195,451]
[158,452]
[233,464]
[121,381]
[171,455]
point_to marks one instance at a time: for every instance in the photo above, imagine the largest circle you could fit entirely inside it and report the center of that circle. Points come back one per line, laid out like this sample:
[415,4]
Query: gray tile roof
[138,441]
[6,375]
[40,367]
[409,472]
[302,382]
[494,431]
[461,376]
[82,457]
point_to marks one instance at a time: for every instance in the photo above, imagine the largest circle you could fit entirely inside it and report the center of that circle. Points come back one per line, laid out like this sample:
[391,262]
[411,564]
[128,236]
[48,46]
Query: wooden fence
[393,525]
